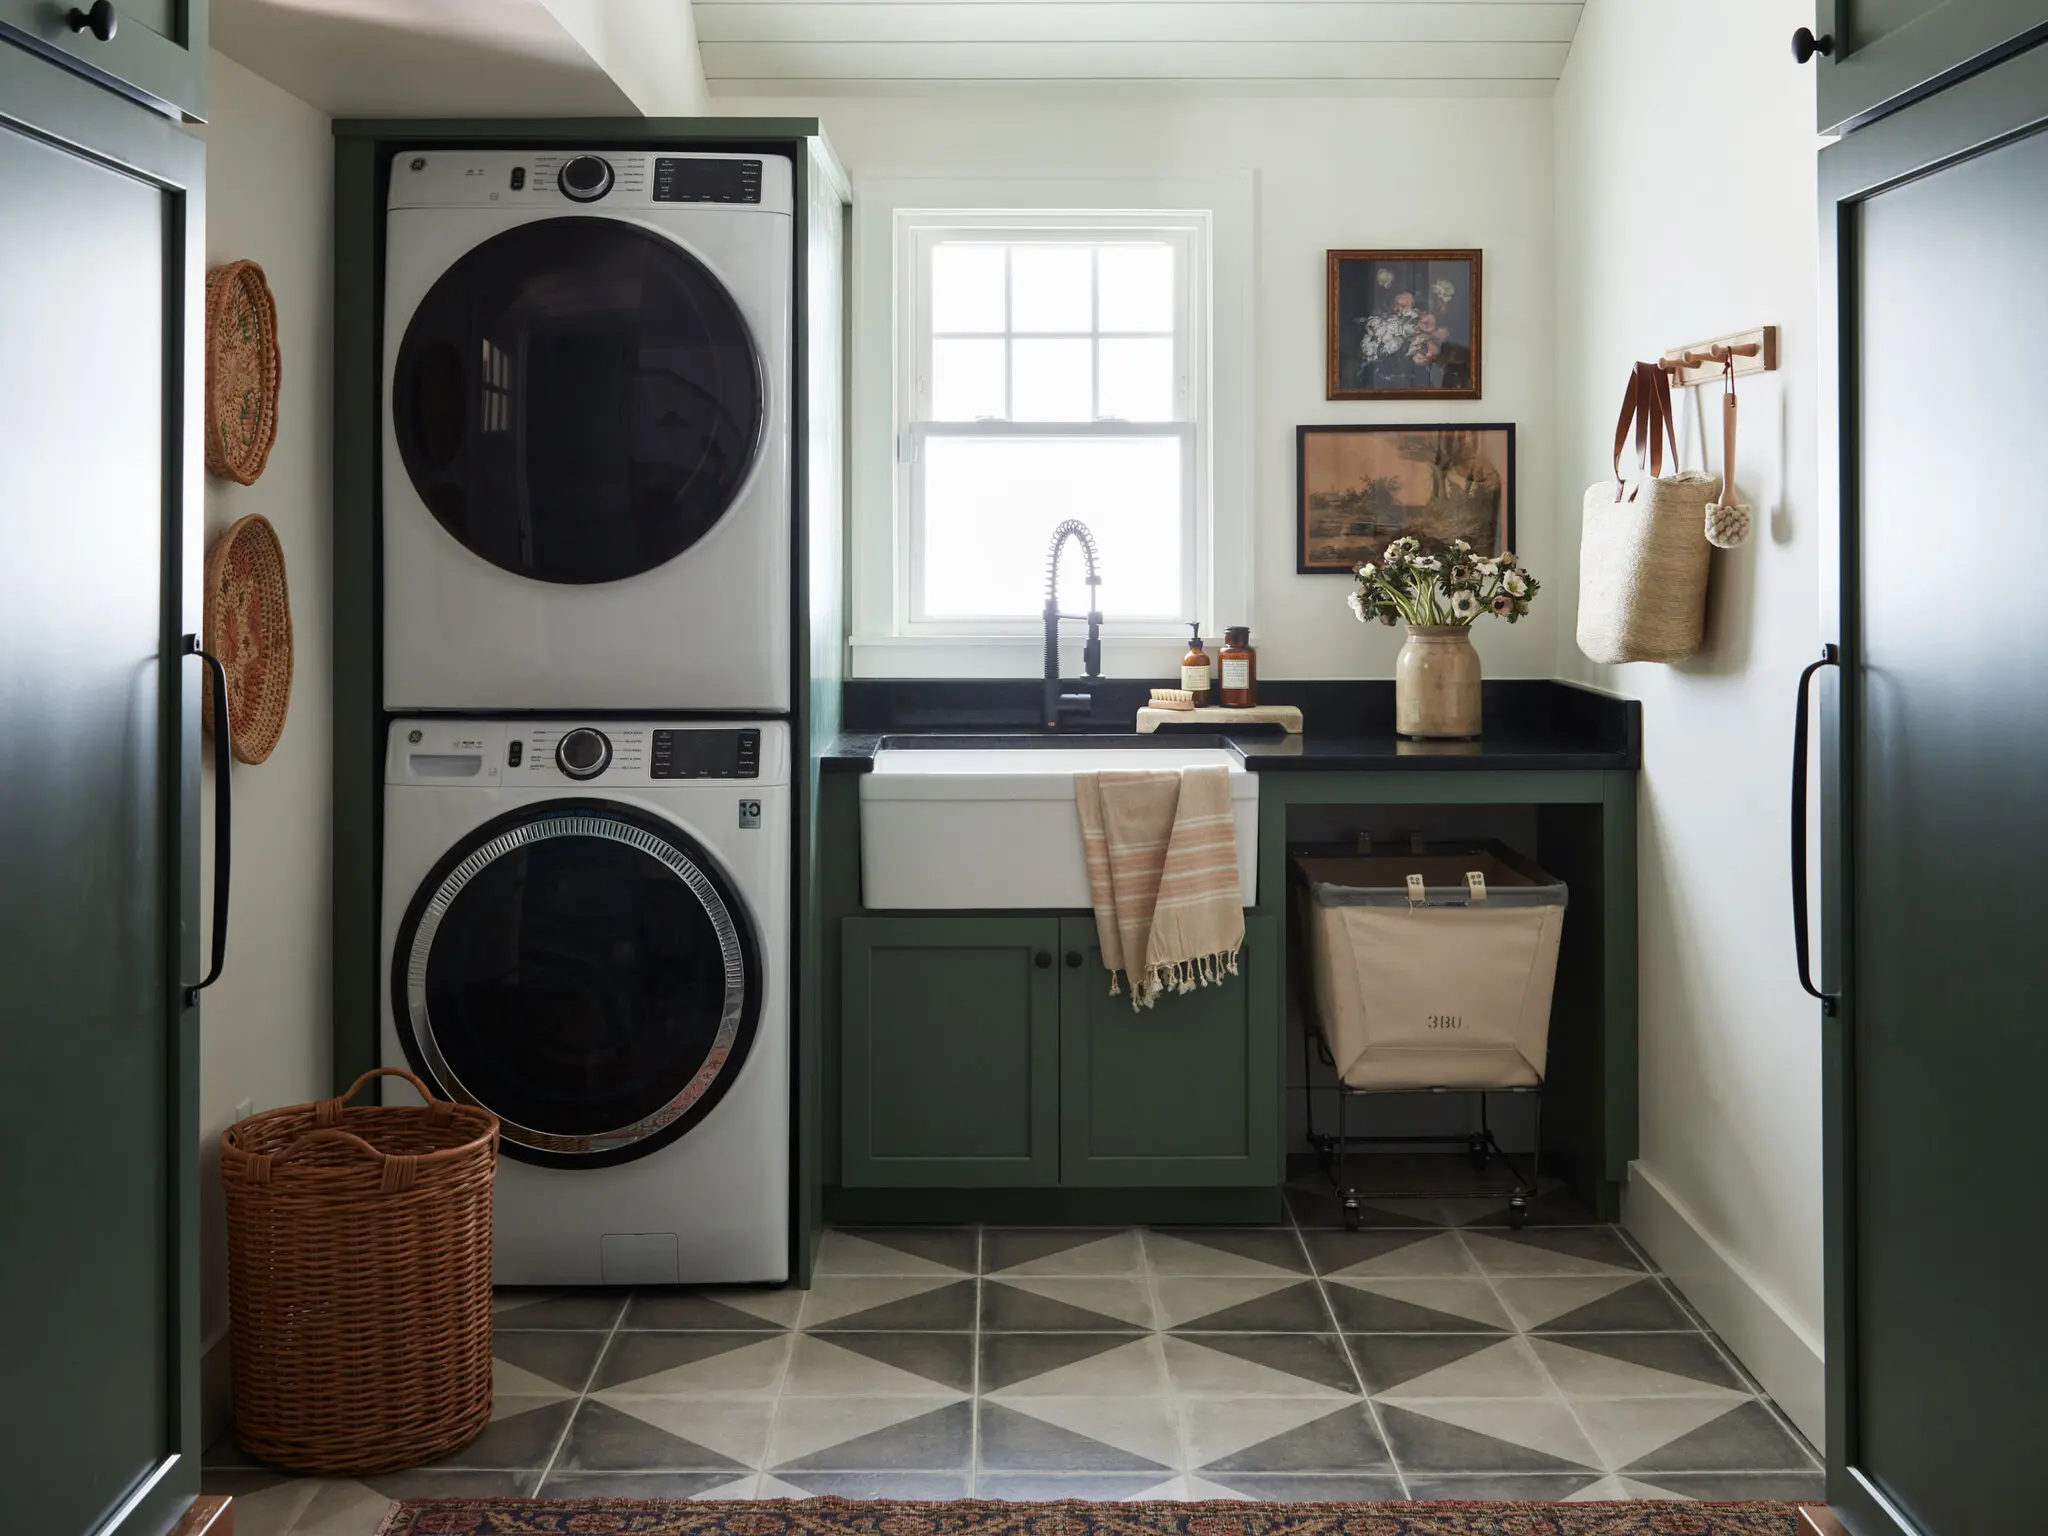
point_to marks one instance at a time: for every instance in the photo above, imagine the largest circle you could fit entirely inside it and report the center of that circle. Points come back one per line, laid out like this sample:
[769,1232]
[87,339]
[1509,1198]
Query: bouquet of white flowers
[1453,588]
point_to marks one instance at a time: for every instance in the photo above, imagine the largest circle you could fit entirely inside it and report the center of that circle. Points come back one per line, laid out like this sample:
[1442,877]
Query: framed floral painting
[1402,325]
[1359,488]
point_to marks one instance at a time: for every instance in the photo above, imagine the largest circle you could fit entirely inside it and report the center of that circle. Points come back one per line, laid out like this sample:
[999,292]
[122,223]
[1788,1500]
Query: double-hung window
[1051,367]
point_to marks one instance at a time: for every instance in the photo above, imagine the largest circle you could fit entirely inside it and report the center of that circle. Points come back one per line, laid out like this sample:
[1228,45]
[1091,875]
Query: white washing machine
[586,931]
[586,477]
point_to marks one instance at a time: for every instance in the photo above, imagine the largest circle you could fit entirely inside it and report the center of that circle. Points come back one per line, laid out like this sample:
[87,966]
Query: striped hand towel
[1162,874]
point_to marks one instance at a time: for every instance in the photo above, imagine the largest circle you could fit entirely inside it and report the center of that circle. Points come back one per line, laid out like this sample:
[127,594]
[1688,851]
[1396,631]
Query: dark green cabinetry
[1180,1093]
[156,53]
[951,1037]
[988,1051]
[1883,54]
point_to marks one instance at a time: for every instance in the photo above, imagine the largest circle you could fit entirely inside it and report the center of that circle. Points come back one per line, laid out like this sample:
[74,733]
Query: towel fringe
[1179,976]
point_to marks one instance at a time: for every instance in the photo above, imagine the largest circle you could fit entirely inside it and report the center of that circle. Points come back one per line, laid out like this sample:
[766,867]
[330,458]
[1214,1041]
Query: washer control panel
[541,754]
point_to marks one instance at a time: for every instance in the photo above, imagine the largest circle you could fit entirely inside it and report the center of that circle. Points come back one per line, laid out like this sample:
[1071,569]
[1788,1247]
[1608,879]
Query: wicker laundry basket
[359,1280]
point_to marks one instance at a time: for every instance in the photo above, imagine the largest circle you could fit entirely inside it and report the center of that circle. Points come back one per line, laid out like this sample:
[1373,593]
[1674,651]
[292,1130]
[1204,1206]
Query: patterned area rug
[849,1517]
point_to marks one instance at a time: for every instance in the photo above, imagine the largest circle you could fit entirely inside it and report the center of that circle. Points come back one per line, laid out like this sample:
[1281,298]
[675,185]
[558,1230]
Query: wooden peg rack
[1754,351]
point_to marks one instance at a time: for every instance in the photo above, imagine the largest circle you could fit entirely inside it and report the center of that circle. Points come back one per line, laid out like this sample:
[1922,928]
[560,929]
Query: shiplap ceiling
[797,47]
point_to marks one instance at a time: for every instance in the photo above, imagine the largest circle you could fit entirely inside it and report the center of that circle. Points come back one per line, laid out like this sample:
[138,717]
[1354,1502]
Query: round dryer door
[583,971]
[578,400]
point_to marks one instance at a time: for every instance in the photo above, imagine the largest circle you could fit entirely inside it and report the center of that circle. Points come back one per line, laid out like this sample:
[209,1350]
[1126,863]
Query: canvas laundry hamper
[1451,990]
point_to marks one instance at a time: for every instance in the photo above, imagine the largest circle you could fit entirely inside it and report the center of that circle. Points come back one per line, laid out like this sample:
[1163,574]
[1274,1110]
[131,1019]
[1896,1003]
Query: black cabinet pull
[1073,959]
[1043,959]
[1805,45]
[102,21]
[1829,657]
[223,757]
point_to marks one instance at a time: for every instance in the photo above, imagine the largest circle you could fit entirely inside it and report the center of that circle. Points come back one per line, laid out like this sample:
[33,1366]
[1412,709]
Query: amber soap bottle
[1194,667]
[1239,668]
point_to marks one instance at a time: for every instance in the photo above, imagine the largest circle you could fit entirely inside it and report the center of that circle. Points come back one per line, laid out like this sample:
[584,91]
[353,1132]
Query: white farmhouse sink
[995,826]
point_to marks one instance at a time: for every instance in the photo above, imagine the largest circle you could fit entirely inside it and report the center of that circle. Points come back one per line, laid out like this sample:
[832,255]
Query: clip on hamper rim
[1546,891]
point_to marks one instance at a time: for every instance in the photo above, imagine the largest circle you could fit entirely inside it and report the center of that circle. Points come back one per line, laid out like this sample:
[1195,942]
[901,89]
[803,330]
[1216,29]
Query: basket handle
[400,1168]
[327,1112]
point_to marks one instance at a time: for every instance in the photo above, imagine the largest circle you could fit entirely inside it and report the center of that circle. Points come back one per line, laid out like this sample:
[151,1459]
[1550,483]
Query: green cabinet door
[1187,1092]
[154,50]
[950,1047]
[1884,54]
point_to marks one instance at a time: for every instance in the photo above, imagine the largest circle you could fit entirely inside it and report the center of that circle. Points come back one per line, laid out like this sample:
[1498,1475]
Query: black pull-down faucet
[1056,702]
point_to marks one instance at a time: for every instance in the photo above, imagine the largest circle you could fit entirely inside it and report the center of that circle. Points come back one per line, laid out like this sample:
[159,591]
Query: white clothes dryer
[586,464]
[587,932]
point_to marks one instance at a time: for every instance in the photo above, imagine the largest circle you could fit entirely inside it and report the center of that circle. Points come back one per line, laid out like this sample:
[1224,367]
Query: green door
[1184,1093]
[950,1052]
[1884,54]
[99,271]
[153,50]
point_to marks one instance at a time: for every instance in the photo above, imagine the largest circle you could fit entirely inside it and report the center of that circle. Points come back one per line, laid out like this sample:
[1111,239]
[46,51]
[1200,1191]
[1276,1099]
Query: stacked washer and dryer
[587,660]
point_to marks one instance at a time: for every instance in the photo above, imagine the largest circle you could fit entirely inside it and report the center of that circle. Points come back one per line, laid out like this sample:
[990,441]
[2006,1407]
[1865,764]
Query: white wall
[1335,173]
[265,1036]
[1680,217]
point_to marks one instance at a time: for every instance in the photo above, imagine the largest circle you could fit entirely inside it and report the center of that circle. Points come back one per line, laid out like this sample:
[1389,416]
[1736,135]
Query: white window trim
[888,639]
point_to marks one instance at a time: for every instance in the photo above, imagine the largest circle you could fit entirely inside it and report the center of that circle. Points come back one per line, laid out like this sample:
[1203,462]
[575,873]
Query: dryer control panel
[554,754]
[572,181]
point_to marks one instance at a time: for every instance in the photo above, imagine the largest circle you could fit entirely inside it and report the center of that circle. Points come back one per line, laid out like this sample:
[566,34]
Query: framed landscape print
[1359,488]
[1402,325]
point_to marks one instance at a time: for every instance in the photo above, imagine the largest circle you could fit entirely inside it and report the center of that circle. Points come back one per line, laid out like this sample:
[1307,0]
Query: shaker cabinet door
[155,50]
[1883,54]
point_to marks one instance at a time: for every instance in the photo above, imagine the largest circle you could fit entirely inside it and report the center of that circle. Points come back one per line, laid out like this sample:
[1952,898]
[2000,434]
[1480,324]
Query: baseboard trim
[1750,1320]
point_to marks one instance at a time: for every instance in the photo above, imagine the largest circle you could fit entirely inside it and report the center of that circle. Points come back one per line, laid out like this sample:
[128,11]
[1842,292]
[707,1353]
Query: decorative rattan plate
[242,371]
[249,627]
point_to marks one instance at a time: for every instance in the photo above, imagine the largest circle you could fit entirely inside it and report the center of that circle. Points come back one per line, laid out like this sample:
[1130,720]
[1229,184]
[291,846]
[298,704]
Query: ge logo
[750,814]
[415,737]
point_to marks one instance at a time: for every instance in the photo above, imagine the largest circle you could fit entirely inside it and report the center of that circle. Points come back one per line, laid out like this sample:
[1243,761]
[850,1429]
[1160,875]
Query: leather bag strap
[1647,406]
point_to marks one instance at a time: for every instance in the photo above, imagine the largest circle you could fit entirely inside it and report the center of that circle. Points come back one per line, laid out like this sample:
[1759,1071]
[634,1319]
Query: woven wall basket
[249,627]
[242,371]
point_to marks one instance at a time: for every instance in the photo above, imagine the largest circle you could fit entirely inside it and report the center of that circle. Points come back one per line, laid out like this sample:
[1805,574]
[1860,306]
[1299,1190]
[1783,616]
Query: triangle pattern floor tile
[951,1248]
[773,1487]
[890,1305]
[1010,1358]
[662,1363]
[1629,1431]
[1496,1487]
[559,1360]
[1224,1251]
[1390,1360]
[1063,1305]
[556,1309]
[1547,1302]
[1611,1488]
[1061,1251]
[1746,1438]
[643,1485]
[511,1384]
[342,1507]
[1637,1307]
[524,1436]
[1583,1372]
[1047,1487]
[1691,1357]
[696,1310]
[1302,1488]
[607,1439]
[922,1487]
[1791,1487]
[1430,1441]
[1242,1306]
[1217,1428]
[1012,1439]
[1416,1306]
[1135,1368]
[1554,1251]
[1543,1425]
[842,1252]
[1337,1437]
[271,1511]
[918,1436]
[736,1431]
[827,1365]
[1258,1364]
[941,1360]
[1368,1255]
[1508,1369]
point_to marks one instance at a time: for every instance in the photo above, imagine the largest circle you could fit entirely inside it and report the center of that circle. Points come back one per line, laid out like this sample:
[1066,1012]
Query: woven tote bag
[1643,550]
[359,1280]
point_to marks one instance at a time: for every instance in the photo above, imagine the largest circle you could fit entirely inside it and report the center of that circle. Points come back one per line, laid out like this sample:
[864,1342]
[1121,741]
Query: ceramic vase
[1436,683]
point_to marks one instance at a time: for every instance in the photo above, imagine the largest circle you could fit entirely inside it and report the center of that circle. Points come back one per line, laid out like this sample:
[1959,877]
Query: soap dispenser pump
[1194,667]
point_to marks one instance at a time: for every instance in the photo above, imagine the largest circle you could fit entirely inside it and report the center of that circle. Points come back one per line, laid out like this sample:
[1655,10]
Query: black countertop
[1348,726]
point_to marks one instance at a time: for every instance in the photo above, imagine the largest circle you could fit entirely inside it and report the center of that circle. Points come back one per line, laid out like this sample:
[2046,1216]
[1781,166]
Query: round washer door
[578,400]
[582,970]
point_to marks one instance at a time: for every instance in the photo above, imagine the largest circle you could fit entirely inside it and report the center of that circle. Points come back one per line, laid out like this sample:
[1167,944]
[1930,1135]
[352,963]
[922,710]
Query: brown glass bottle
[1194,667]
[1238,669]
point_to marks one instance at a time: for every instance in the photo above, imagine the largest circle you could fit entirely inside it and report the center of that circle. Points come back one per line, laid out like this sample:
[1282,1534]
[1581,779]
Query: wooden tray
[1286,716]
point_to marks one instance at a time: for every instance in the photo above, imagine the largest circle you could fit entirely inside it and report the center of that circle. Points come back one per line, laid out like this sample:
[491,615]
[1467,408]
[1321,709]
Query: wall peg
[1752,351]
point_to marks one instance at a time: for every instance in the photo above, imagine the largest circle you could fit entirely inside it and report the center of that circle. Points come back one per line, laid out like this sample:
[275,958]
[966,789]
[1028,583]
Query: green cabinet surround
[989,1052]
[1885,54]
[154,51]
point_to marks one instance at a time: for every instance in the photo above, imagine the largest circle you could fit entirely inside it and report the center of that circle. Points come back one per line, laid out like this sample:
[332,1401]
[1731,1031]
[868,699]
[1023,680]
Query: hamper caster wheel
[1354,1216]
[1518,1212]
[1480,1153]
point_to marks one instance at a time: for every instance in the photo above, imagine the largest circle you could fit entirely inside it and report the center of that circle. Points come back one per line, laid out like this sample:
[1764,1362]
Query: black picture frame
[1367,529]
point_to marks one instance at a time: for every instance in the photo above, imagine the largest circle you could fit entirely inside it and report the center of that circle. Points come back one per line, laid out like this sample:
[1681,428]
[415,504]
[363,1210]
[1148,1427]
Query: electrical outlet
[245,1109]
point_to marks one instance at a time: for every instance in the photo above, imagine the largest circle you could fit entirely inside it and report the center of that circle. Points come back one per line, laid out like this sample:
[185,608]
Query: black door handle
[1829,657]
[1805,45]
[223,805]
[102,21]
[1073,959]
[1043,959]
